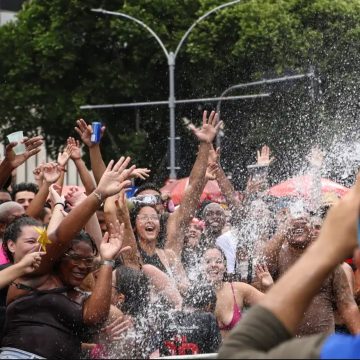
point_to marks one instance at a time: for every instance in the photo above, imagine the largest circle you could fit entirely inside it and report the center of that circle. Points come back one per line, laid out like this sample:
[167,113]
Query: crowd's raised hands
[141,173]
[63,157]
[111,244]
[209,129]
[75,148]
[316,157]
[263,156]
[32,147]
[84,130]
[75,196]
[51,172]
[115,177]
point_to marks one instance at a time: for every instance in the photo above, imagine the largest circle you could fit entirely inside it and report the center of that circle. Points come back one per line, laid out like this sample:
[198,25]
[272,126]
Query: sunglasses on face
[78,260]
[144,218]
[149,199]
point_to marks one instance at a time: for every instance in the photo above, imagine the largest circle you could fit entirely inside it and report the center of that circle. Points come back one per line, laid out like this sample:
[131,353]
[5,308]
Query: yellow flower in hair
[43,238]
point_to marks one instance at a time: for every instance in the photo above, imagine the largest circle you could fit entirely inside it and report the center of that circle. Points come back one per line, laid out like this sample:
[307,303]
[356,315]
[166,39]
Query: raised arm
[62,160]
[116,208]
[97,163]
[315,158]
[97,306]
[57,206]
[226,187]
[113,180]
[51,173]
[271,249]
[74,198]
[186,211]
[85,176]
[12,161]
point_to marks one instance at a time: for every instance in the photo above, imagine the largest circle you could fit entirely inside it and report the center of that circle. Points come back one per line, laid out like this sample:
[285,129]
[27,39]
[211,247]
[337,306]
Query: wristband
[108,262]
[59,203]
[61,167]
[98,196]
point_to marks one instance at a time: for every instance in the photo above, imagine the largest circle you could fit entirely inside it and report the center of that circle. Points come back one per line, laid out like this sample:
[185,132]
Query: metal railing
[197,356]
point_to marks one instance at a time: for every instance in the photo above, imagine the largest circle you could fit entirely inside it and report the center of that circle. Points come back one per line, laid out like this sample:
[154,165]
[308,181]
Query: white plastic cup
[17,136]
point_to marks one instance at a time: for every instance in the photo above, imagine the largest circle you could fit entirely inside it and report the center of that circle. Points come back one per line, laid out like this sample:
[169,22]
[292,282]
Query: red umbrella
[301,185]
[176,188]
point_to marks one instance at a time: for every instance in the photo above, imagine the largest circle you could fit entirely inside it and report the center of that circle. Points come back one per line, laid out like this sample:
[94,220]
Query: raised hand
[39,174]
[84,130]
[75,196]
[263,156]
[209,128]
[51,172]
[121,205]
[111,243]
[32,147]
[141,173]
[30,262]
[316,157]
[115,178]
[264,276]
[64,156]
[75,146]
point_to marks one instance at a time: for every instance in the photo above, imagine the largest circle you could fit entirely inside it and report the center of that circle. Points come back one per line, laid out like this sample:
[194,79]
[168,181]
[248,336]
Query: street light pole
[171,59]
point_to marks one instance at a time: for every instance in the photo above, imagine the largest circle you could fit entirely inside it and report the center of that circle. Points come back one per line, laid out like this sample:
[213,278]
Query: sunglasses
[78,260]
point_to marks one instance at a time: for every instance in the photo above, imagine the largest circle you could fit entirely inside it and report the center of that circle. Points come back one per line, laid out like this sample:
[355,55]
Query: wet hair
[134,285]
[161,239]
[146,186]
[135,212]
[214,247]
[24,187]
[200,212]
[13,230]
[201,297]
[83,236]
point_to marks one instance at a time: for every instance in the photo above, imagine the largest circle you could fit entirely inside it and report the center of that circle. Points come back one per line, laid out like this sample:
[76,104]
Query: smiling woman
[145,221]
[71,270]
[47,303]
[231,296]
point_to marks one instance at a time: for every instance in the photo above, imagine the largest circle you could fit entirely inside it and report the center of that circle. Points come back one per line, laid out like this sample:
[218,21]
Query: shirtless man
[284,249]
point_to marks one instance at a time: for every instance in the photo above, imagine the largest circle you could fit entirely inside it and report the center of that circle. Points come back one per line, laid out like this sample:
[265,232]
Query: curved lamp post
[171,58]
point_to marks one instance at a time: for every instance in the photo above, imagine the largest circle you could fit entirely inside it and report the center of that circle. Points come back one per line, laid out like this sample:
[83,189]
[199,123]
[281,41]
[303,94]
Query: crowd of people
[96,274]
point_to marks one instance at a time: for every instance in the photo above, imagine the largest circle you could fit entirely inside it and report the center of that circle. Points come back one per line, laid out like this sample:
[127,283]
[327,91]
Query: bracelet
[98,196]
[61,167]
[108,262]
[59,203]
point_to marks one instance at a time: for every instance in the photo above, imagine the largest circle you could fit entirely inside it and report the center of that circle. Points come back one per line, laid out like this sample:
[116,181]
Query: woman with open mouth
[145,221]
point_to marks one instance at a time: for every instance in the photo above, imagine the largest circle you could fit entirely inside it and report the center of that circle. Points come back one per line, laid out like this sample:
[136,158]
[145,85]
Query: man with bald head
[9,211]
